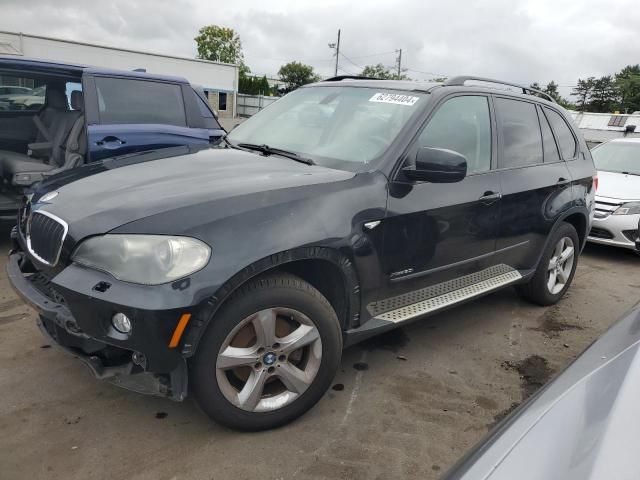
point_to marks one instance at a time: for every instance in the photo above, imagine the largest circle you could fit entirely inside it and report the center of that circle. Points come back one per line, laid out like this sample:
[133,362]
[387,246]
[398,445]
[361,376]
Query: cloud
[523,41]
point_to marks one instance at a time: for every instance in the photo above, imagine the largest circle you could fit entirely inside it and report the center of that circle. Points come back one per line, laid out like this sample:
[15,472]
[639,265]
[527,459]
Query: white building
[219,80]
[600,127]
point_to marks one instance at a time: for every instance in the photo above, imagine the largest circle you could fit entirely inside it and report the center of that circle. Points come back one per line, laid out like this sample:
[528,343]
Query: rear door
[127,115]
[439,231]
[535,181]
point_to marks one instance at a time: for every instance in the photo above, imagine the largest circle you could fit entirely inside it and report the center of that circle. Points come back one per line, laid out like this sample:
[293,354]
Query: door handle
[110,142]
[490,197]
[562,182]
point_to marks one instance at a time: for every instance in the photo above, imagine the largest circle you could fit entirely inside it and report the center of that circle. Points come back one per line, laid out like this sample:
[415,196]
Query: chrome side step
[430,299]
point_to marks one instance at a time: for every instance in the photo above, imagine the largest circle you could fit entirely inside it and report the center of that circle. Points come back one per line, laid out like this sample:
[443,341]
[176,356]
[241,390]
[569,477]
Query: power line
[351,61]
[347,71]
[376,54]
[427,73]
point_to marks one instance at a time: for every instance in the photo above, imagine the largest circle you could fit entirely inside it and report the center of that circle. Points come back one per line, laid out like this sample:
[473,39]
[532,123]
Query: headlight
[144,259]
[631,208]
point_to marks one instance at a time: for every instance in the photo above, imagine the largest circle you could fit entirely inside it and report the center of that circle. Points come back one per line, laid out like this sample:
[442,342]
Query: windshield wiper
[267,150]
[631,173]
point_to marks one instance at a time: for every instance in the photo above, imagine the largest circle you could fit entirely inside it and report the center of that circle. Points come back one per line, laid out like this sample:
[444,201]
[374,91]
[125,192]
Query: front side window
[71,87]
[338,127]
[520,134]
[618,157]
[462,124]
[126,101]
[566,140]
[19,94]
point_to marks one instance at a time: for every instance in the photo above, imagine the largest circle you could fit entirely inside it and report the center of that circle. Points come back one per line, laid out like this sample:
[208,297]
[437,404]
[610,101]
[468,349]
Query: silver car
[617,211]
[583,425]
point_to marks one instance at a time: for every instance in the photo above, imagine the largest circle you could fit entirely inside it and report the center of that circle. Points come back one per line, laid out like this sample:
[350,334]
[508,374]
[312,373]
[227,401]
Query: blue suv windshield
[338,127]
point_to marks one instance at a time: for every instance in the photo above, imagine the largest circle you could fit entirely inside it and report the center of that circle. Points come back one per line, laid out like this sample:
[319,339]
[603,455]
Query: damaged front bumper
[142,362]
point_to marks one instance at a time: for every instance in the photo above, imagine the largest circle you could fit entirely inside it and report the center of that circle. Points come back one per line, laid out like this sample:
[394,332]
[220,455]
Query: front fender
[250,234]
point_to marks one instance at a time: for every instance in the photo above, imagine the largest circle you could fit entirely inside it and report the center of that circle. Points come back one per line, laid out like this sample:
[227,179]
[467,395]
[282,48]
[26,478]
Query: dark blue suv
[58,116]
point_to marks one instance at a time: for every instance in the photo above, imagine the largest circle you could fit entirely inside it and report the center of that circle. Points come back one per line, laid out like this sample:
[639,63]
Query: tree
[296,74]
[604,95]
[552,90]
[219,44]
[582,91]
[381,72]
[264,86]
[628,83]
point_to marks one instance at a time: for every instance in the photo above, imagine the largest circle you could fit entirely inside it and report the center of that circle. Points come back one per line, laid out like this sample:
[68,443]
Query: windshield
[618,157]
[337,127]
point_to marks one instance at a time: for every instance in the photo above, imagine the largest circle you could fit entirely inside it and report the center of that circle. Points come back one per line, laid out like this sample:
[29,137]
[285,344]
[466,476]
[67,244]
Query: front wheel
[269,355]
[556,269]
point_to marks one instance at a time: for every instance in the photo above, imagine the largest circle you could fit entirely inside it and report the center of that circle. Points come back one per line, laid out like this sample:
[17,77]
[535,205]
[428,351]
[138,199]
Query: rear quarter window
[205,111]
[566,140]
[127,101]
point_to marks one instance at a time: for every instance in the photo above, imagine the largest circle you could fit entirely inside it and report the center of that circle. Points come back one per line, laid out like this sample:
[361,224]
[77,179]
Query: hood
[618,185]
[108,195]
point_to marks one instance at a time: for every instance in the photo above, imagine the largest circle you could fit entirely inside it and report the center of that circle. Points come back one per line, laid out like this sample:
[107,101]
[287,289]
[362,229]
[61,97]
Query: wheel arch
[329,270]
[580,221]
[578,217]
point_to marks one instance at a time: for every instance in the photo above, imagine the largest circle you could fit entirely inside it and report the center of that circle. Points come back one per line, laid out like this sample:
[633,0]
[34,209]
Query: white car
[617,212]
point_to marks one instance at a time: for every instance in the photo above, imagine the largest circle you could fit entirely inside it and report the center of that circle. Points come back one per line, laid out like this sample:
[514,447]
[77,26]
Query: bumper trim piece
[30,294]
[58,325]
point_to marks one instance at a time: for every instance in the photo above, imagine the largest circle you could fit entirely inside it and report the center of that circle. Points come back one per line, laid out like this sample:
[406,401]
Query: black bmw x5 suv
[345,209]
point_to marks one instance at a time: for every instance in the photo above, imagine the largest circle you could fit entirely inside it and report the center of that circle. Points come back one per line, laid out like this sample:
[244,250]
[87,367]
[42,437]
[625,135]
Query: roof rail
[339,78]
[461,80]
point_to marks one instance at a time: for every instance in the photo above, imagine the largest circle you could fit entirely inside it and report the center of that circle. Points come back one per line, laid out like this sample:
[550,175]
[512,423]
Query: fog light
[121,323]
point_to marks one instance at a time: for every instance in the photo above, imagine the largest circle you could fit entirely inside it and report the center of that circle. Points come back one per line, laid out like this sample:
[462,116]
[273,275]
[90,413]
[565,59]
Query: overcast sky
[522,41]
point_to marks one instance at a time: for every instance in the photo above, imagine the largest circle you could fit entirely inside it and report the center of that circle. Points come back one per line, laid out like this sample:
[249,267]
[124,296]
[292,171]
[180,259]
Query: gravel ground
[406,404]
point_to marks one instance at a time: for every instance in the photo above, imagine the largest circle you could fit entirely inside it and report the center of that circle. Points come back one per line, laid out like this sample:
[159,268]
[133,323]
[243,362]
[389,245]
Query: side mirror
[437,165]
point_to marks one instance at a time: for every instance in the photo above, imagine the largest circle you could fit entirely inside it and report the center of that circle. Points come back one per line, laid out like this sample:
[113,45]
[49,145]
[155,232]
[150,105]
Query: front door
[435,232]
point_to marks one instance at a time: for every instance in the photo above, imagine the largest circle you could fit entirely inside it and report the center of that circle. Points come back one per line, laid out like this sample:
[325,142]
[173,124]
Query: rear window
[551,154]
[126,101]
[520,133]
[19,94]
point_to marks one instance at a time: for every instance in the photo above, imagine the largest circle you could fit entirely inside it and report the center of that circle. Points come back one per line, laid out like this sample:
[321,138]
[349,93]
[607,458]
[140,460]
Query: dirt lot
[420,397]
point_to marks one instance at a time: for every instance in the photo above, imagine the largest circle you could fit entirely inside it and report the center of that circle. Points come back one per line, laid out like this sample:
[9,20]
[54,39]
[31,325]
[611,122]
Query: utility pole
[399,62]
[337,53]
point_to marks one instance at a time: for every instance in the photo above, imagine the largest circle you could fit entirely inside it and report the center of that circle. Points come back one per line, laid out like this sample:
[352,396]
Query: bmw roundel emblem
[269,359]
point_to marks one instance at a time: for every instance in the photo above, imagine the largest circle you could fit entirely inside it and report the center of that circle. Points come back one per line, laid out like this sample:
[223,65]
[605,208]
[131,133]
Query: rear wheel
[556,269]
[269,355]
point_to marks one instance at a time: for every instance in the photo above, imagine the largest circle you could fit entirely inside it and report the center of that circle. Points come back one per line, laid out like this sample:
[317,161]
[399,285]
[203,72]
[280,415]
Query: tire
[538,290]
[223,389]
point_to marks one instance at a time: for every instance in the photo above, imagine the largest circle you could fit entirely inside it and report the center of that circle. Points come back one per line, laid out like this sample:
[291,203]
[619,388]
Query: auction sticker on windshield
[395,98]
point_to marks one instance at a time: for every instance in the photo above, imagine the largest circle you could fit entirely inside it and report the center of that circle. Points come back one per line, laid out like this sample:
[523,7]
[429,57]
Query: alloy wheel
[560,265]
[269,359]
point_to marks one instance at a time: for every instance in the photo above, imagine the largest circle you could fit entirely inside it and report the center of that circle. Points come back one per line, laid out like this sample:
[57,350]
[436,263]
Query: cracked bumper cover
[84,330]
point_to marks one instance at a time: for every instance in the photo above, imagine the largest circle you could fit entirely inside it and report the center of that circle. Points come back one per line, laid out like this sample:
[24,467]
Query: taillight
[595,183]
